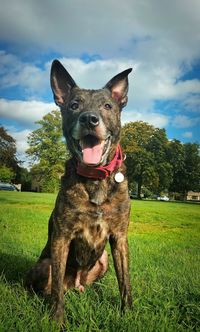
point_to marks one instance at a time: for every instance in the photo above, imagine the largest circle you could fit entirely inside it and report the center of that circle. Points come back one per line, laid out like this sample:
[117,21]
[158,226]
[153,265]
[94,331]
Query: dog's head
[91,118]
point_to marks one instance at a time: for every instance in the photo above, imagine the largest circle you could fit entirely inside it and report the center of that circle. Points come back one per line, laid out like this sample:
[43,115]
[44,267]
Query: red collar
[102,172]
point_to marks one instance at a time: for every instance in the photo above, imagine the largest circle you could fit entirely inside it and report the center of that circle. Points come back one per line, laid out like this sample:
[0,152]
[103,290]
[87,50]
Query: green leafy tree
[176,157]
[48,151]
[145,147]
[10,166]
[185,162]
[6,174]
[192,167]
[8,151]
[158,144]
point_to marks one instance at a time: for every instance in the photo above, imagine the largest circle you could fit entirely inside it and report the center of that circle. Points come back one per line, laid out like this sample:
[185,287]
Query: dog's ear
[61,83]
[118,86]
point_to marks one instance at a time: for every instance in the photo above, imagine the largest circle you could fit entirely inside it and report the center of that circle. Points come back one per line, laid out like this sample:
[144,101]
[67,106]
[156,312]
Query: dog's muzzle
[91,139]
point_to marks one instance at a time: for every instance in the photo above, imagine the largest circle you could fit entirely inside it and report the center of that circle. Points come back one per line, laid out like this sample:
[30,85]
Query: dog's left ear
[118,86]
[61,83]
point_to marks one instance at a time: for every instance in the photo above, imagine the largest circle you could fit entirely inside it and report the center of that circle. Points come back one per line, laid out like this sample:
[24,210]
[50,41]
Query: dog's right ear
[61,83]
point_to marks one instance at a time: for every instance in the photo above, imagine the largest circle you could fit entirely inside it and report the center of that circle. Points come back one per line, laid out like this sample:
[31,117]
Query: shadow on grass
[14,267]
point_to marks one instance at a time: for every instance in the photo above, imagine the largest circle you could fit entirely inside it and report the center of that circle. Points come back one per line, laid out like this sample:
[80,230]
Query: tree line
[11,168]
[155,164]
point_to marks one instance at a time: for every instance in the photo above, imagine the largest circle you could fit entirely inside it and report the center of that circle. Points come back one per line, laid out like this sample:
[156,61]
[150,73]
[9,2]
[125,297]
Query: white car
[163,198]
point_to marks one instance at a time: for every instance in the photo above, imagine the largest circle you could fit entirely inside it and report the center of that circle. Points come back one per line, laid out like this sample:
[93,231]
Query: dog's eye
[108,106]
[74,105]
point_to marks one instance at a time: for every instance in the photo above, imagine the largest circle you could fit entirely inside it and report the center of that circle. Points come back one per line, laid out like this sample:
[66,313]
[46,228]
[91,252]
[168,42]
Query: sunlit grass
[164,241]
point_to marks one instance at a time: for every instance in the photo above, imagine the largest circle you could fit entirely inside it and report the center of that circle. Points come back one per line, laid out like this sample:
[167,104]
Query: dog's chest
[90,237]
[89,213]
[91,227]
[96,192]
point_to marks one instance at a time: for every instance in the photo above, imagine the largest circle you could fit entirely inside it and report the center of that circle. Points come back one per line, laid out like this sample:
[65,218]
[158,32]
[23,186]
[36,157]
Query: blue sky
[95,40]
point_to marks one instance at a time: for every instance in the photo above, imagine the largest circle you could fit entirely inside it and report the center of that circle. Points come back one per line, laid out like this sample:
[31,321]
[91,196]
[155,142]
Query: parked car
[163,198]
[7,186]
[133,195]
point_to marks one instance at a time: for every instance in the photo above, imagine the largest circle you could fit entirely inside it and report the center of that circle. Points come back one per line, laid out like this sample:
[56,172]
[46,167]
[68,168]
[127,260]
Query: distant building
[18,186]
[193,196]
[36,183]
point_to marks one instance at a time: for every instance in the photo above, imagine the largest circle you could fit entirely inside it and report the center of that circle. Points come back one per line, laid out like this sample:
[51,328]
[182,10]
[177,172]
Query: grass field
[164,240]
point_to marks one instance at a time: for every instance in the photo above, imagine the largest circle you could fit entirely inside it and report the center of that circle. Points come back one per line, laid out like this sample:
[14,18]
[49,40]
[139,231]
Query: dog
[93,205]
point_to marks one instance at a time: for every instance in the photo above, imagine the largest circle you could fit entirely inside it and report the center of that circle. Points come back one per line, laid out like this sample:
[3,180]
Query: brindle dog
[93,205]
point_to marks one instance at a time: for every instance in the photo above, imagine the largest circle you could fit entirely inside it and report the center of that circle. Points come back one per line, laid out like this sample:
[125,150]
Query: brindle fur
[87,212]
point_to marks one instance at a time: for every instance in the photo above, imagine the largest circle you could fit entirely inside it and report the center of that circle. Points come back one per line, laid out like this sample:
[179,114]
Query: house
[193,196]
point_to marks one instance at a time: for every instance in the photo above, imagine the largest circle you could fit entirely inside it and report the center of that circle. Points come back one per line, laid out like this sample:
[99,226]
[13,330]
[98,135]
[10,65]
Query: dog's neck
[101,172]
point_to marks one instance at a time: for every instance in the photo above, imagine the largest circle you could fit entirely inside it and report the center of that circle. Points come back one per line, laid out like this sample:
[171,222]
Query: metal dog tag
[119,177]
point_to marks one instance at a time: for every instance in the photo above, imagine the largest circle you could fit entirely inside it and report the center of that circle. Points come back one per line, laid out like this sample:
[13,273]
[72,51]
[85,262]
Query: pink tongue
[92,155]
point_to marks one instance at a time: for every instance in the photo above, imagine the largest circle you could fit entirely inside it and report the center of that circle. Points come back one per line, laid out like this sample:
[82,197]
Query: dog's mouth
[93,150]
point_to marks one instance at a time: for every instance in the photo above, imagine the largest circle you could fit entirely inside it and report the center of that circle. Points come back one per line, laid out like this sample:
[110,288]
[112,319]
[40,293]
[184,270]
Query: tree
[6,174]
[145,147]
[176,157]
[10,169]
[192,167]
[48,151]
[158,144]
[185,162]
[8,151]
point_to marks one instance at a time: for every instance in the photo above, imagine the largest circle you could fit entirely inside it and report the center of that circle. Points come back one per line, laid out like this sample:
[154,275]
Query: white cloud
[21,143]
[147,81]
[104,28]
[146,84]
[183,88]
[20,137]
[25,112]
[192,103]
[187,134]
[159,39]
[29,77]
[183,121]
[96,74]
[155,119]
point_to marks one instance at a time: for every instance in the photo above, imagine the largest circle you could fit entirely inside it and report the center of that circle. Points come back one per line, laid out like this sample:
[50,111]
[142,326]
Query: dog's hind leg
[39,277]
[99,269]
[46,252]
[88,277]
[81,278]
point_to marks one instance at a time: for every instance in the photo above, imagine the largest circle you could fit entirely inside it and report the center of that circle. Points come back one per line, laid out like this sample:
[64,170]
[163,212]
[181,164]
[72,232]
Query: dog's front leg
[119,248]
[59,253]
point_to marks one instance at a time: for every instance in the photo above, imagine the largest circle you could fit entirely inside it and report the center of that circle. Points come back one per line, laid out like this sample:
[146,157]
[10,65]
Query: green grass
[164,241]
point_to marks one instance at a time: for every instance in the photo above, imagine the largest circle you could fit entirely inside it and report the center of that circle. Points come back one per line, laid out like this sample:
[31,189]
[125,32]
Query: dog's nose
[89,119]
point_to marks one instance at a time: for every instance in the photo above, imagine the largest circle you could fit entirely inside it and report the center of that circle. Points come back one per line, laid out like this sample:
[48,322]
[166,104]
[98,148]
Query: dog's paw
[126,304]
[57,312]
